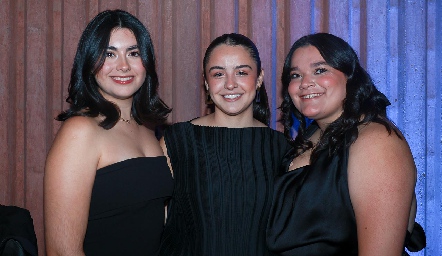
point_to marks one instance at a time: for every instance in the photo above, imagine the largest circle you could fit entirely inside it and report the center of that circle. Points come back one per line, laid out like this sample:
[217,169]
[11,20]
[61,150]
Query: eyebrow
[315,64]
[237,67]
[130,48]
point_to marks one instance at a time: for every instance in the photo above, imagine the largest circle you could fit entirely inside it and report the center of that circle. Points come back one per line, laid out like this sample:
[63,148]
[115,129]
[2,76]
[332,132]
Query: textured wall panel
[399,42]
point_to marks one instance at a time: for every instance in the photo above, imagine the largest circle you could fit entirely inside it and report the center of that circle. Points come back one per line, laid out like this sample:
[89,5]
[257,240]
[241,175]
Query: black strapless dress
[126,214]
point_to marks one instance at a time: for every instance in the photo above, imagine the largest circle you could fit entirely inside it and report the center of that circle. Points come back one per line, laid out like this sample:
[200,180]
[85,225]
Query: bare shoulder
[376,145]
[79,126]
[77,137]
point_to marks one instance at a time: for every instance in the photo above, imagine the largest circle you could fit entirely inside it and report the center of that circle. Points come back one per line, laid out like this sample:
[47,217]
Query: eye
[110,54]
[134,54]
[242,73]
[294,75]
[217,74]
[320,71]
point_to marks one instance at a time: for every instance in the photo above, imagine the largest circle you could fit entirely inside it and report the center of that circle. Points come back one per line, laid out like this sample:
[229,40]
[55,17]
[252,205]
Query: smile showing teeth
[123,79]
[231,96]
[310,96]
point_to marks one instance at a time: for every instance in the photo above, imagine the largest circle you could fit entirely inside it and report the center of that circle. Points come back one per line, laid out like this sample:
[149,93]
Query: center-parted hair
[363,102]
[261,110]
[84,96]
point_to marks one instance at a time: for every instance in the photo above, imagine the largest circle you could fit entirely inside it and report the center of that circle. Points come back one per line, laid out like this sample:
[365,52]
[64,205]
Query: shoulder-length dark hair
[363,102]
[84,97]
[261,110]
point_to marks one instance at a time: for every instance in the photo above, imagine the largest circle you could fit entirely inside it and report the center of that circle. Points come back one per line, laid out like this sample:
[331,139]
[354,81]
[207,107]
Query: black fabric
[17,235]
[321,191]
[329,228]
[126,214]
[12,247]
[223,189]
[416,240]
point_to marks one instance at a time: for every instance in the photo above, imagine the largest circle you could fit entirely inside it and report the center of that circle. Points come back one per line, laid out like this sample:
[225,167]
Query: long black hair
[84,96]
[261,110]
[364,103]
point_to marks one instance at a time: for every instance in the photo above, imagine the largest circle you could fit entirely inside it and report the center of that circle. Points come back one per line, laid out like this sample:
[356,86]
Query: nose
[230,83]
[123,64]
[306,82]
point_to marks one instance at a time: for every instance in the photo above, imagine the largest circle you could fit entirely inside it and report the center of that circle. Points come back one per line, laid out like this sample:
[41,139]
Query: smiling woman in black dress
[106,178]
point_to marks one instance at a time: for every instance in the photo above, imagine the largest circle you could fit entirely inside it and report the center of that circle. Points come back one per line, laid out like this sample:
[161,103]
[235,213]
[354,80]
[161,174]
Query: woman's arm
[381,177]
[69,176]
[164,148]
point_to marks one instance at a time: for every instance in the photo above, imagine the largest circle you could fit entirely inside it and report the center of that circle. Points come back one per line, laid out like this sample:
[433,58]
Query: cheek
[99,76]
[138,65]
[215,85]
[142,73]
[105,69]
[337,86]
[293,90]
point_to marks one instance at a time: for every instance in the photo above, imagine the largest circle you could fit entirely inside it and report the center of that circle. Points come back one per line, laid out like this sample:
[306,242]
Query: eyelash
[240,73]
[322,70]
[131,54]
[318,71]
[135,54]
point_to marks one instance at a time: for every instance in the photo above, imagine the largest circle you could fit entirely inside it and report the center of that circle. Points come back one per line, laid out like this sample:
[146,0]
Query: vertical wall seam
[25,121]
[274,83]
[10,133]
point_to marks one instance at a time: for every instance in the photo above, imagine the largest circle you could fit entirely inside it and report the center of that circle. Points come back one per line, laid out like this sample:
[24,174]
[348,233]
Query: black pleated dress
[223,189]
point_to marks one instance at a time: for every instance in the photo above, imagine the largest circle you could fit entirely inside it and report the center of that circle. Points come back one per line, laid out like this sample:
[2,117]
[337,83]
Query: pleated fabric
[223,189]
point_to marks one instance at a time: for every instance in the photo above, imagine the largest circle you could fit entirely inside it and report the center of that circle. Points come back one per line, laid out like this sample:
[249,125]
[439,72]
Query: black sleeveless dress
[312,212]
[126,214]
[223,189]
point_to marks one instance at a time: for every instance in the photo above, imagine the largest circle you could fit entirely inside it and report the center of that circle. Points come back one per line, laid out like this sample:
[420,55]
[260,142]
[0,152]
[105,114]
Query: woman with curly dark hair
[348,183]
[106,178]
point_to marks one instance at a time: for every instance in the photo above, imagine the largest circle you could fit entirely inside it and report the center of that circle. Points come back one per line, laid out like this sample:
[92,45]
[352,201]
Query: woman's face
[122,73]
[232,80]
[316,89]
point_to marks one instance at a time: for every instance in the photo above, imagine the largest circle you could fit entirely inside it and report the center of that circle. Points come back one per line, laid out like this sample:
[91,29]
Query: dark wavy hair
[84,96]
[261,110]
[363,102]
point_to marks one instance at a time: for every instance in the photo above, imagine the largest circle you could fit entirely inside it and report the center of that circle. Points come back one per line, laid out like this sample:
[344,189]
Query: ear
[206,85]
[260,79]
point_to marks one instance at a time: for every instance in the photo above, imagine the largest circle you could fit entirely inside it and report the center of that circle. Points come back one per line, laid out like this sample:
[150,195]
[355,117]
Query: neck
[236,121]
[125,111]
